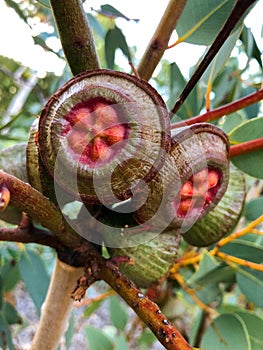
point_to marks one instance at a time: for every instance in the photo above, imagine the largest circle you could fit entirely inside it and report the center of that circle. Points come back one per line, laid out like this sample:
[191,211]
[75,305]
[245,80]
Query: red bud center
[94,130]
[198,192]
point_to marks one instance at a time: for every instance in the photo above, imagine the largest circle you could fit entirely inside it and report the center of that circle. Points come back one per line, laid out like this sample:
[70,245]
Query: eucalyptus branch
[236,14]
[29,235]
[159,42]
[246,147]
[75,35]
[39,208]
[57,307]
[221,111]
[147,310]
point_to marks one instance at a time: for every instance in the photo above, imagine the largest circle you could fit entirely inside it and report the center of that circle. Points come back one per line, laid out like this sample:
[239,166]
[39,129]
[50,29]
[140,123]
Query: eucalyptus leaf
[250,44]
[252,110]
[204,18]
[231,121]
[108,10]
[250,283]
[5,333]
[250,163]
[97,339]
[217,275]
[11,314]
[1,292]
[95,25]
[254,208]
[193,102]
[197,325]
[118,314]
[146,338]
[226,333]
[121,342]
[10,275]
[220,59]
[207,264]
[45,3]
[254,325]
[244,249]
[114,40]
[226,84]
[34,275]
[209,291]
[92,307]
[13,161]
[69,334]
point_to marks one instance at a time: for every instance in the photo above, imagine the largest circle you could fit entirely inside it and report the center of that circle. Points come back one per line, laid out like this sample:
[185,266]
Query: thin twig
[207,309]
[238,234]
[98,298]
[38,207]
[246,147]
[221,111]
[159,42]
[147,310]
[238,261]
[29,235]
[236,14]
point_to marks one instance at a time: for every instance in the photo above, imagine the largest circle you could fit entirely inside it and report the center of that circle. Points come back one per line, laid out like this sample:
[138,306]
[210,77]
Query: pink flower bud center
[95,131]
[198,192]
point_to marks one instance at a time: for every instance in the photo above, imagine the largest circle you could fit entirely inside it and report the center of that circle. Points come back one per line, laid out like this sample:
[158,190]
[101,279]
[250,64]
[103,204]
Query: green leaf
[10,275]
[118,314]
[196,326]
[226,333]
[232,121]
[252,110]
[244,249]
[35,277]
[226,85]
[254,326]
[220,59]
[207,264]
[110,11]
[70,331]
[44,3]
[147,338]
[114,40]
[254,208]
[1,293]
[250,45]
[5,333]
[121,343]
[91,307]
[207,292]
[95,25]
[192,104]
[216,275]
[12,120]
[250,163]
[11,314]
[97,339]
[13,161]
[250,283]
[205,18]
